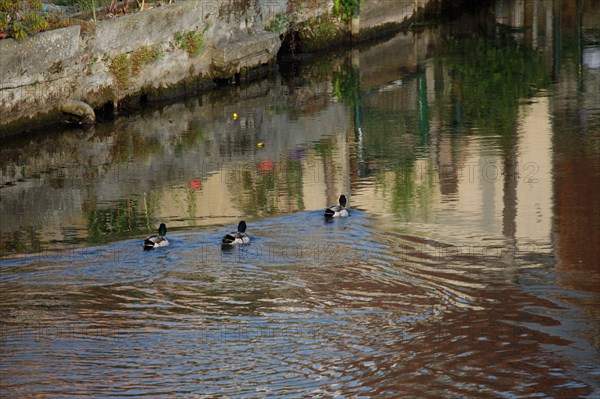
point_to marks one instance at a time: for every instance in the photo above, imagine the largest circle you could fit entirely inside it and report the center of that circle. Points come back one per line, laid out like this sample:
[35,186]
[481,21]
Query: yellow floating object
[235,116]
[261,144]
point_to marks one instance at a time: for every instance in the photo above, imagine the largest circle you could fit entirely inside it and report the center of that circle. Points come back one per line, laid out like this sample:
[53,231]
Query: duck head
[343,200]
[242,227]
[162,230]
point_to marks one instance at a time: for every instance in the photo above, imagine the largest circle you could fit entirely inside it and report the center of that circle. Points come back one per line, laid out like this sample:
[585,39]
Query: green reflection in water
[189,139]
[346,84]
[294,182]
[130,144]
[26,241]
[191,207]
[123,219]
[269,187]
[488,79]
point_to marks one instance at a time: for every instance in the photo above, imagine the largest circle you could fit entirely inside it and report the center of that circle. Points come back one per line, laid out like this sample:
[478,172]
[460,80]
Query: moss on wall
[322,32]
[144,56]
[191,42]
[120,67]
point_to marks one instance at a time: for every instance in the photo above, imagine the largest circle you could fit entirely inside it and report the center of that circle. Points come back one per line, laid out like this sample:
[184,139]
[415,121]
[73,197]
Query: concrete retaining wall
[155,26]
[379,13]
[38,73]
[25,62]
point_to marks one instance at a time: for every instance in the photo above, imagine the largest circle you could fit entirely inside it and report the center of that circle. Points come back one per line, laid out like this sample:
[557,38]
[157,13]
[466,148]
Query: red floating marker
[265,166]
[195,184]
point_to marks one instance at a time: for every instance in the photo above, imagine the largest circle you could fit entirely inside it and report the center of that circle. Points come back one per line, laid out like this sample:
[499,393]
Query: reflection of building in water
[507,190]
[576,158]
[460,173]
[395,127]
[534,178]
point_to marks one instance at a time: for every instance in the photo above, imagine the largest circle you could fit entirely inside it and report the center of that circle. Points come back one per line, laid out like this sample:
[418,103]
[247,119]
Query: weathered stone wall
[35,71]
[25,62]
[39,73]
[376,14]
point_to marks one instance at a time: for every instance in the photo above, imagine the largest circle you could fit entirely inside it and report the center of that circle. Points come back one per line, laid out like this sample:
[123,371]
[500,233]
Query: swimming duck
[337,211]
[237,237]
[159,240]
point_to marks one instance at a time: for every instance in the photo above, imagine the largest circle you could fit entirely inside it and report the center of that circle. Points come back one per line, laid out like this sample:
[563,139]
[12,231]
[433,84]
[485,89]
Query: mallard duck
[337,211]
[159,240]
[237,237]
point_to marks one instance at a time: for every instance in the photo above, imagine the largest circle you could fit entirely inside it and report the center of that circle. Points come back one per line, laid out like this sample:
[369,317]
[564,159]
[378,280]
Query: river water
[469,265]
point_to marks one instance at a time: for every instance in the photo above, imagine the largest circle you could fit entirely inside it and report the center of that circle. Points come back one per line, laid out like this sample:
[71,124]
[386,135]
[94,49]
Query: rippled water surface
[469,266]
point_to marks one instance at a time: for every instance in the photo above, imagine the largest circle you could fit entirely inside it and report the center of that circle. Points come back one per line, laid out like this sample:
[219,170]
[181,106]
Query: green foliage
[145,55]
[319,27]
[87,6]
[120,67]
[123,67]
[326,29]
[19,19]
[346,9]
[320,32]
[3,25]
[285,24]
[191,41]
[279,24]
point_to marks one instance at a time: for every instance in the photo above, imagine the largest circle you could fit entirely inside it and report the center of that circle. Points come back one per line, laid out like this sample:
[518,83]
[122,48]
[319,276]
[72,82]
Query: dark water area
[469,265]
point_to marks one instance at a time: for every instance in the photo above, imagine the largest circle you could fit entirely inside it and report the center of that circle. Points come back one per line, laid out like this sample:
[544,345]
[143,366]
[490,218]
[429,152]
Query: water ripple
[322,309]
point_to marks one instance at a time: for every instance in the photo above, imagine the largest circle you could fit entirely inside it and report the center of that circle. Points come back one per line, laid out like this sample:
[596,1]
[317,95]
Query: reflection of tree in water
[268,187]
[346,84]
[188,139]
[128,217]
[129,144]
[22,242]
[391,146]
[324,148]
[487,80]
[124,218]
[412,189]
[405,177]
[387,139]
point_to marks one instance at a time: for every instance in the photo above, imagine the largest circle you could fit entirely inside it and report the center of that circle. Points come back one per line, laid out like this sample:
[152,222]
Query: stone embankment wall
[179,46]
[380,15]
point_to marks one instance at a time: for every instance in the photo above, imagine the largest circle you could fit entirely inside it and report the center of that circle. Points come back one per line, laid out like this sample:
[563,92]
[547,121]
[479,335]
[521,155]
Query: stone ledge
[149,27]
[244,52]
[23,62]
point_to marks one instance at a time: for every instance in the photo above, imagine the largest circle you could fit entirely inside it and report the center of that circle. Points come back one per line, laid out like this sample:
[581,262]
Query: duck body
[237,237]
[157,241]
[337,211]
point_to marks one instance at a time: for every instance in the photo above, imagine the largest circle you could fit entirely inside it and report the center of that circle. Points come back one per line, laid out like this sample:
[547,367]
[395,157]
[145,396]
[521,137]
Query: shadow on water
[471,167]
